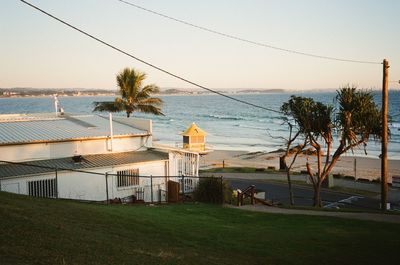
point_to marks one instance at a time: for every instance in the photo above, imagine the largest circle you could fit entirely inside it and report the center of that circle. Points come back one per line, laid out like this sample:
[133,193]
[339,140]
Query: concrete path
[390,218]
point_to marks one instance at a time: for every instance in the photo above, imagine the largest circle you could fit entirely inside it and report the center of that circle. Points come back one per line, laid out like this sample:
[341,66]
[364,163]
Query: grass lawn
[42,231]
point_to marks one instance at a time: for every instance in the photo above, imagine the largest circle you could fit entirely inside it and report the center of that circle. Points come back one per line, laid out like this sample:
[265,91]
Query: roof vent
[77,158]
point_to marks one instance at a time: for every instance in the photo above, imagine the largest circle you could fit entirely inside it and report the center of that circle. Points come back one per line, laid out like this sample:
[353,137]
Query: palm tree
[134,96]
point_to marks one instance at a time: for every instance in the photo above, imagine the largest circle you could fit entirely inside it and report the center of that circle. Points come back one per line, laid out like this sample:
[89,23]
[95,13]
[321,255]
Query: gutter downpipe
[111,132]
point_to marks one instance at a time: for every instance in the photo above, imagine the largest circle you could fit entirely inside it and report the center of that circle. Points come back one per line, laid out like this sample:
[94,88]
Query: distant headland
[76,92]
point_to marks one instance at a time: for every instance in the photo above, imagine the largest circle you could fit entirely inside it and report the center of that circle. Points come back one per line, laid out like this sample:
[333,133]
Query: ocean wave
[395,124]
[222,117]
[251,127]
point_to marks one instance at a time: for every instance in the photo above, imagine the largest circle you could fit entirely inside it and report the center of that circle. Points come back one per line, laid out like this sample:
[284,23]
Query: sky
[36,51]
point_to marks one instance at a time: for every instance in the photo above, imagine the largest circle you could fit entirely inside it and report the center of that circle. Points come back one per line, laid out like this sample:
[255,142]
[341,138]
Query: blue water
[230,125]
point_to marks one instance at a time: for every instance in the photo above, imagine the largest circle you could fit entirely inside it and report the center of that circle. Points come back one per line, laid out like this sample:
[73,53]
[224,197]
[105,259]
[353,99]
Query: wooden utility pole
[384,163]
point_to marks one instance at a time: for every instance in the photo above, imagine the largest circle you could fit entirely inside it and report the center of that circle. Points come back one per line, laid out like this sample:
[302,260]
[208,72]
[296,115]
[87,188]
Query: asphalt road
[303,196]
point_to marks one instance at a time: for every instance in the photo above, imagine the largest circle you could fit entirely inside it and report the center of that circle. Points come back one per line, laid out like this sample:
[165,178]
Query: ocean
[230,125]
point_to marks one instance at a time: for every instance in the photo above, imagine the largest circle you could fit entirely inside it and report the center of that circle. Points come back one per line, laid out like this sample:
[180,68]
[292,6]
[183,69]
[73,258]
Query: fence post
[222,191]
[151,187]
[106,176]
[56,173]
[183,188]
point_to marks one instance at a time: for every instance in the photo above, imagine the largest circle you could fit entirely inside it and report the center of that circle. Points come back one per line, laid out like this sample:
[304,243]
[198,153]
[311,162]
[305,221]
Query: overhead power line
[147,63]
[247,40]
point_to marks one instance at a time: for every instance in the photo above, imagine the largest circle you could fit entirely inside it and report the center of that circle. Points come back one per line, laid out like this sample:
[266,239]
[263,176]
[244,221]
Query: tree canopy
[355,118]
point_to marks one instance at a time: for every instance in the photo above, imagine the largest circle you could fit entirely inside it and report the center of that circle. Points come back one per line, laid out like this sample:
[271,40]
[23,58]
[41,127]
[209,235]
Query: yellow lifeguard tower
[194,139]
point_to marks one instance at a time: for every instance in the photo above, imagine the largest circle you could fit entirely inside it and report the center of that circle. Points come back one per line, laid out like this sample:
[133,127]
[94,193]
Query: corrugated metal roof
[88,161]
[33,128]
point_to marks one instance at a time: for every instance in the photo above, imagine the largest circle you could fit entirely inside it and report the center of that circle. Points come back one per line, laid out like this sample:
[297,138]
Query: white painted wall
[39,151]
[156,169]
[20,185]
[84,186]
[183,163]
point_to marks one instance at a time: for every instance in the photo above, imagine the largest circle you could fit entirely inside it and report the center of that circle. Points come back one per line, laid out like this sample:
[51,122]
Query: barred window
[43,188]
[127,178]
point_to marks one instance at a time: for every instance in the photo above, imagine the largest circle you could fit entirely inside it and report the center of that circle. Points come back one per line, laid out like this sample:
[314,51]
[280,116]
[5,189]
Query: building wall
[91,187]
[39,151]
[85,186]
[183,163]
[154,169]
[20,185]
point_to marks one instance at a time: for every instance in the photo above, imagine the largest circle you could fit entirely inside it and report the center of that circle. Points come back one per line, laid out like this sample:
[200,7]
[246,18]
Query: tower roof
[194,130]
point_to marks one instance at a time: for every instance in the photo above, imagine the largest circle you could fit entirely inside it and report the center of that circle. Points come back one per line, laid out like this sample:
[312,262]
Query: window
[128,178]
[43,188]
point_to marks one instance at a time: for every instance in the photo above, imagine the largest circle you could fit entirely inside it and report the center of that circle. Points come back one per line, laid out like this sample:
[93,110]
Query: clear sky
[36,51]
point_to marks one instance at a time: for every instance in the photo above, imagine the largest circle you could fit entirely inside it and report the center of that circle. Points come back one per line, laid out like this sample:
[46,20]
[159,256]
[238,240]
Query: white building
[87,157]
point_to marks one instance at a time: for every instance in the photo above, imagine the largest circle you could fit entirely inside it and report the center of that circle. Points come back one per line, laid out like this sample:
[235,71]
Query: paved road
[303,196]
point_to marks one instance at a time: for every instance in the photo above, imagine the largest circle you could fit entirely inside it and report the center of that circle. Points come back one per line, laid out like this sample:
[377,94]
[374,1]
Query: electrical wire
[246,40]
[147,63]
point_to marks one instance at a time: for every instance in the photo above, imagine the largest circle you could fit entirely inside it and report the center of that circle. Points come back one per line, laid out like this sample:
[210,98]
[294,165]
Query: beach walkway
[378,217]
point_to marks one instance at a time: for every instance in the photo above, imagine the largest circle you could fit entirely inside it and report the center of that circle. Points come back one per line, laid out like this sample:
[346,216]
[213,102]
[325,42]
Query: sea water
[230,125]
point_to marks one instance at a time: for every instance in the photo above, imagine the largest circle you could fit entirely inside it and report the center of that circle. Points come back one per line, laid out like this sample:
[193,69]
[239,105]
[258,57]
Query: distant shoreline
[158,95]
[31,93]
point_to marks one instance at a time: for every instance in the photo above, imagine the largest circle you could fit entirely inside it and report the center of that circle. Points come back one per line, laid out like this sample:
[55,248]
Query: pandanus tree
[356,119]
[134,96]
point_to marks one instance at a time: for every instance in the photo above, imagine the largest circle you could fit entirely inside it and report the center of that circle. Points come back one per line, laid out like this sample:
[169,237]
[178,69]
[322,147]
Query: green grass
[355,191]
[42,231]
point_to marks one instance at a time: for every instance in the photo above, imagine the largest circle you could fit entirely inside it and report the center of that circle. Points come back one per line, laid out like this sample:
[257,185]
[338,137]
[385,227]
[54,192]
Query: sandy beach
[360,167]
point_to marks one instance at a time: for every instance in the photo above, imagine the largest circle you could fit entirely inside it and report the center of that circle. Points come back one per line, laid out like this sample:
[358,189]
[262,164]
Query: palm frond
[146,91]
[109,106]
[151,101]
[149,109]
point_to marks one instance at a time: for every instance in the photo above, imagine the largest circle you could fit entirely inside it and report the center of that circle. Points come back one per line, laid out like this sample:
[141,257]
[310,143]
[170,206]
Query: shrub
[209,190]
